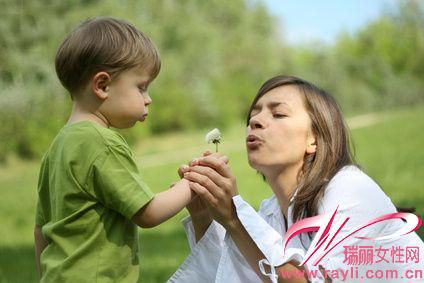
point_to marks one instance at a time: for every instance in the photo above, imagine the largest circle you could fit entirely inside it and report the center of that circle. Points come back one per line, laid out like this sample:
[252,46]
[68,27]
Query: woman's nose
[255,123]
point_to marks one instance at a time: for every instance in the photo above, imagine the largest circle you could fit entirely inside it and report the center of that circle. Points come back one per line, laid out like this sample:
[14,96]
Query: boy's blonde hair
[104,44]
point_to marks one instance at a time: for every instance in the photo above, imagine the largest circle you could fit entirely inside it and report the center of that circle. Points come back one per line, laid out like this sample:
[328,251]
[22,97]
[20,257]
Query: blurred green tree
[215,55]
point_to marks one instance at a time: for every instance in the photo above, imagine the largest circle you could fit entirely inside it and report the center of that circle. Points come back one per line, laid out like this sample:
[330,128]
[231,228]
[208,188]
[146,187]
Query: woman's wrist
[200,217]
[231,220]
[201,224]
[233,224]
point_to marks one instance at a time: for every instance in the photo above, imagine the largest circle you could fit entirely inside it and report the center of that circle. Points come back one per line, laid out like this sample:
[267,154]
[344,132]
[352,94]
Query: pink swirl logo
[324,223]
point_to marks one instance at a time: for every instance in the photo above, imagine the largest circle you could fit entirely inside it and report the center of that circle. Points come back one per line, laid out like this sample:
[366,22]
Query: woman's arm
[40,244]
[216,188]
[200,217]
[251,252]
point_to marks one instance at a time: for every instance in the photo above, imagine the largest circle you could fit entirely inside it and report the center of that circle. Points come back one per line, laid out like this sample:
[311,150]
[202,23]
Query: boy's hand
[183,168]
[196,207]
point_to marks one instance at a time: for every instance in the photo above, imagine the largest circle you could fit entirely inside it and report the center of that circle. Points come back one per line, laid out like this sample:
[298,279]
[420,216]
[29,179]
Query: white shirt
[216,258]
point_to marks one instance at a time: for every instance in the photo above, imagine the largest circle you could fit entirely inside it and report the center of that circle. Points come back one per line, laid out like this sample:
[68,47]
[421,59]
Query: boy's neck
[80,113]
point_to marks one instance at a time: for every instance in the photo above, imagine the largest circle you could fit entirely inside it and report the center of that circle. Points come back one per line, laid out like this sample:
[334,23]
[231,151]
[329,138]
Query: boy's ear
[100,84]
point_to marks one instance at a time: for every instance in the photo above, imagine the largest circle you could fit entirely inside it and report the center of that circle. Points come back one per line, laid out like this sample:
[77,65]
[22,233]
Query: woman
[298,141]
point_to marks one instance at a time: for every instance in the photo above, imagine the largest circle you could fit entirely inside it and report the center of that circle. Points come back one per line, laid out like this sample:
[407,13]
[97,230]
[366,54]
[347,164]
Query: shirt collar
[273,207]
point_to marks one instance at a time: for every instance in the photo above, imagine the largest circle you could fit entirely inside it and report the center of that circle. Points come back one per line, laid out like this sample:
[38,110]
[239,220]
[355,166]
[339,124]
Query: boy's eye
[142,88]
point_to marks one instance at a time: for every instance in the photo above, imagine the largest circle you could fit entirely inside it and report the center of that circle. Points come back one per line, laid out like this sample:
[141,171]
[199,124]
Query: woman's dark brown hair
[332,139]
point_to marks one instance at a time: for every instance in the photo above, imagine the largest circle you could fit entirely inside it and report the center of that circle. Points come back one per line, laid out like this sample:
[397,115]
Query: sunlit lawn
[389,151]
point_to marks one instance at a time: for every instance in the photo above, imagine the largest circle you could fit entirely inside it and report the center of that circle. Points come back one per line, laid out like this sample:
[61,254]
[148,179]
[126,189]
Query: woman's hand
[198,210]
[200,217]
[211,178]
[196,207]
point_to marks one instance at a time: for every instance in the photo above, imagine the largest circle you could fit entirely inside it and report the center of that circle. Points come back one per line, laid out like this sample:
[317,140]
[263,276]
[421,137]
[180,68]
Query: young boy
[91,194]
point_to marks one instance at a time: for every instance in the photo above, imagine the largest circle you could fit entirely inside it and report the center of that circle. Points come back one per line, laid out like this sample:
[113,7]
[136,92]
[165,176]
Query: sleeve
[39,216]
[117,182]
[262,233]
[268,240]
[202,263]
[215,232]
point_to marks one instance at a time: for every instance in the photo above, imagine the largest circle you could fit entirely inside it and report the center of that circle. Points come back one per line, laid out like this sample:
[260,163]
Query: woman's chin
[254,161]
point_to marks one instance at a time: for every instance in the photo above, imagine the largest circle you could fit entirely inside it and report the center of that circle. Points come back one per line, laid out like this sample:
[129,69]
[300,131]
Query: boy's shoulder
[96,133]
[85,138]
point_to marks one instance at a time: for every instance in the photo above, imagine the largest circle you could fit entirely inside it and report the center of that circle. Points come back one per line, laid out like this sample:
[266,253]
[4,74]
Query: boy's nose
[148,99]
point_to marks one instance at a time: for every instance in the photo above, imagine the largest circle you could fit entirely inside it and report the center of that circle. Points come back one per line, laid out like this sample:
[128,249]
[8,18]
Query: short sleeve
[117,182]
[39,216]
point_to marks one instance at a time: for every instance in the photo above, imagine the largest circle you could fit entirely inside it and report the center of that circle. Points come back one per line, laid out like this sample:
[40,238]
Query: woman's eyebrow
[257,107]
[272,105]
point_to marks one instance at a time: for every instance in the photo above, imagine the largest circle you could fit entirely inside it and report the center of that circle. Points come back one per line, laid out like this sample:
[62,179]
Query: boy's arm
[164,205]
[40,245]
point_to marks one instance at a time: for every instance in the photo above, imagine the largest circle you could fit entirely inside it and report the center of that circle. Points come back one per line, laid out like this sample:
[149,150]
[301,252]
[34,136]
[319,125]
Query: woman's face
[279,132]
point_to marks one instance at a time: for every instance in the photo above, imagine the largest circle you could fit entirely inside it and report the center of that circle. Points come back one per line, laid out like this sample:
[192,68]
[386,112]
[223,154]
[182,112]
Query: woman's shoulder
[352,177]
[351,187]
[351,181]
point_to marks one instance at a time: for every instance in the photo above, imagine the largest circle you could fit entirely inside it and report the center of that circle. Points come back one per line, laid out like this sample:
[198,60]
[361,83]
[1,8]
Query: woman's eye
[279,115]
[142,88]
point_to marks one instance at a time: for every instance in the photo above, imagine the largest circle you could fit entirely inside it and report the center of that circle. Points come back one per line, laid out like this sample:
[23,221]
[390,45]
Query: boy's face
[127,99]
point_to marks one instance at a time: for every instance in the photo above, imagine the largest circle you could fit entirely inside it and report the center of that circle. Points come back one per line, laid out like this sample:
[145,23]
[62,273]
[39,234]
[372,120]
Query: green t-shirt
[89,188]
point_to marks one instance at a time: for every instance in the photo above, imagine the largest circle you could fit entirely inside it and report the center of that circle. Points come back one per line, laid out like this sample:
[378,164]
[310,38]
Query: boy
[91,194]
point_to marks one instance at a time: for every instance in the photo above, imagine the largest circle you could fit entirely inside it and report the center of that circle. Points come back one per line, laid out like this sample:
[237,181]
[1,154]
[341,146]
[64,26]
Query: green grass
[389,151]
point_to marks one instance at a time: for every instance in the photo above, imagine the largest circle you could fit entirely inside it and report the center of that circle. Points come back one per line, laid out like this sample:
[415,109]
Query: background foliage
[215,56]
